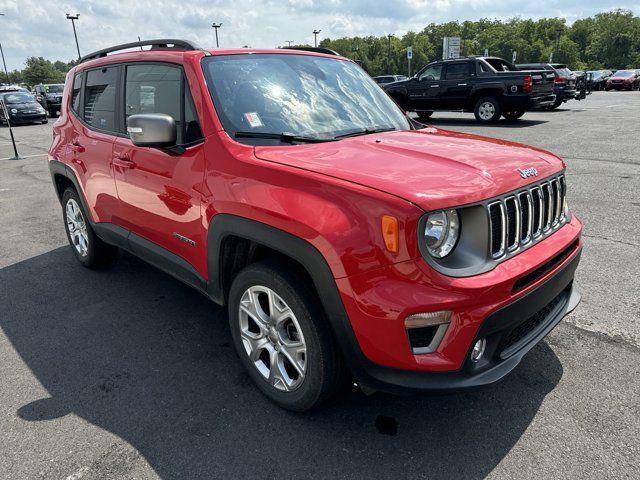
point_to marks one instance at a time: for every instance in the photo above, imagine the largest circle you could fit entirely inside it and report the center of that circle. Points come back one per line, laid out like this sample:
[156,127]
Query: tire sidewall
[310,391]
[88,259]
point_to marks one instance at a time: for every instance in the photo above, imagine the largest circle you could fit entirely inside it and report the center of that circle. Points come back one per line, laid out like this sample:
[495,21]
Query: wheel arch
[246,234]
[64,177]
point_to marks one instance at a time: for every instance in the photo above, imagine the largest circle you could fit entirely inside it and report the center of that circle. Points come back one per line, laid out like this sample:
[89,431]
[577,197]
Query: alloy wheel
[77,227]
[486,111]
[272,338]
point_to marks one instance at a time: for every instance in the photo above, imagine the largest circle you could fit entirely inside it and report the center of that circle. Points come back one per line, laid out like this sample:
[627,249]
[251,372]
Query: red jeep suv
[346,240]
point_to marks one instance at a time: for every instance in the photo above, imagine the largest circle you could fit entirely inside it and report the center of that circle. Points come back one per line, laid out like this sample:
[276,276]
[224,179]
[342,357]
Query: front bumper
[27,117]
[483,307]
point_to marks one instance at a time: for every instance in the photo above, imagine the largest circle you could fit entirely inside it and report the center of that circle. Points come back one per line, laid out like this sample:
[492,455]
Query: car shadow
[471,122]
[142,356]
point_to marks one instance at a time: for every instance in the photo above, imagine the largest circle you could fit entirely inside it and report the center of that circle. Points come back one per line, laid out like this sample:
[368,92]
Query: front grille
[526,216]
[531,324]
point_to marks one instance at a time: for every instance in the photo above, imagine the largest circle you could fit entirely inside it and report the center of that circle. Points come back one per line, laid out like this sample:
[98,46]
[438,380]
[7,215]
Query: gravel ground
[129,374]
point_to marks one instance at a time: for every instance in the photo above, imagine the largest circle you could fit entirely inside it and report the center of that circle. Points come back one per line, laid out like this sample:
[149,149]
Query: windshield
[18,97]
[623,73]
[300,95]
[53,88]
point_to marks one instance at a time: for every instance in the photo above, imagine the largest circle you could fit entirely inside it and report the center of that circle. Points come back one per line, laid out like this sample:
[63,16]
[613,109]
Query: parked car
[624,80]
[387,79]
[344,242]
[598,78]
[487,86]
[49,95]
[22,107]
[565,81]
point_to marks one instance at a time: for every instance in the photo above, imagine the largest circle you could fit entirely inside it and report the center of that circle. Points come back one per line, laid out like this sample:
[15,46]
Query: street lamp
[289,42]
[216,26]
[389,55]
[73,19]
[315,36]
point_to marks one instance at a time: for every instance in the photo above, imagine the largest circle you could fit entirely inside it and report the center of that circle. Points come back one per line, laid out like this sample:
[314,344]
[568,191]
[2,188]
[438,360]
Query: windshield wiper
[283,137]
[365,131]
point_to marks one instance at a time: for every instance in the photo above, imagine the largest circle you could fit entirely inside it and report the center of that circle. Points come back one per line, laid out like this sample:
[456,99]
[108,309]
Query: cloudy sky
[39,27]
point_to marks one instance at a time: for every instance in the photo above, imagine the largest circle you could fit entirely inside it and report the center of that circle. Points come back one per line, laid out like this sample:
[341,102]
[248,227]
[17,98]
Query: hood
[628,79]
[23,106]
[431,168]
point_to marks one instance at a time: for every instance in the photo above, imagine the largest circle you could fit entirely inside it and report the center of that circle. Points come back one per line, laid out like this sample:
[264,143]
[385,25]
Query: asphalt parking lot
[127,373]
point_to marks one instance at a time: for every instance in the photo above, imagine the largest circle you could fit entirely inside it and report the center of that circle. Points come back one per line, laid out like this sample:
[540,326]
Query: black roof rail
[160,44]
[326,51]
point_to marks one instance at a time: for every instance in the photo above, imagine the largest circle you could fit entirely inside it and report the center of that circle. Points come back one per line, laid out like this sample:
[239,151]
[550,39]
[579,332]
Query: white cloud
[30,28]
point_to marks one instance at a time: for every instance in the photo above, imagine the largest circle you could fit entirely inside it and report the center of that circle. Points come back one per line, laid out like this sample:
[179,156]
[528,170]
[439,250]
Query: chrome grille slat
[525,217]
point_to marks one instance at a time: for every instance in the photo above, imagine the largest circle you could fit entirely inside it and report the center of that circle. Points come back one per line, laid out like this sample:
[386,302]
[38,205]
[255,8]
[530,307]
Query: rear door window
[161,88]
[457,71]
[100,98]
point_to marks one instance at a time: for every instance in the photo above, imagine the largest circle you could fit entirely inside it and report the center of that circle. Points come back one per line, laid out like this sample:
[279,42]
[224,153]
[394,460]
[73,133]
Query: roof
[170,48]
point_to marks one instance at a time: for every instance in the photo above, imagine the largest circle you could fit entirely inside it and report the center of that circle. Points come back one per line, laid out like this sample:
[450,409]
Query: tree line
[38,70]
[608,40]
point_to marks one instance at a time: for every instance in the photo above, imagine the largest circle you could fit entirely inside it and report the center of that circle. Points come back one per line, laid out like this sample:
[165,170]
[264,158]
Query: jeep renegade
[347,241]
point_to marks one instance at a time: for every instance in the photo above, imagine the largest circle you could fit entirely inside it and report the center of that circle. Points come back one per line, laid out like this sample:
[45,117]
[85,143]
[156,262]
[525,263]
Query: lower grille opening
[539,272]
[527,327]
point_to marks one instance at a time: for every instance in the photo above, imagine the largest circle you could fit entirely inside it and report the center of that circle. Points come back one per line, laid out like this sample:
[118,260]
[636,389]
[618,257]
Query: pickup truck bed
[488,86]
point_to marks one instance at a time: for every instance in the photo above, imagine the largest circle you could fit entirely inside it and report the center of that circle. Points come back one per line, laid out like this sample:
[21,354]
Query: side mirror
[152,130]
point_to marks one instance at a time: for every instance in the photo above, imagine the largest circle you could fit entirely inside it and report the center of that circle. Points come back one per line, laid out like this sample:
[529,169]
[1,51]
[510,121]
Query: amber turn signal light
[390,233]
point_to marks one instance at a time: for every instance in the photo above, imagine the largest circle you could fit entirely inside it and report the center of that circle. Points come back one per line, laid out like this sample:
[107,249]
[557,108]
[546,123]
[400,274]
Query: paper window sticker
[253,119]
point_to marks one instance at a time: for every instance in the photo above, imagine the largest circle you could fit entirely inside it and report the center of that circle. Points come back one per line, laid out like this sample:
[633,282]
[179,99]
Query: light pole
[289,42]
[389,55]
[73,19]
[216,26]
[3,62]
[315,36]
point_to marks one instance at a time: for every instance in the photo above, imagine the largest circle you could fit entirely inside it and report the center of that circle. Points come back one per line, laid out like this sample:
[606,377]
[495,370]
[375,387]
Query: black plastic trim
[159,44]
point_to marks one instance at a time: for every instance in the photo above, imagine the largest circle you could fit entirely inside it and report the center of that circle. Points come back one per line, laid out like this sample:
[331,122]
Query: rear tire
[90,251]
[487,110]
[513,115]
[424,116]
[555,105]
[283,338]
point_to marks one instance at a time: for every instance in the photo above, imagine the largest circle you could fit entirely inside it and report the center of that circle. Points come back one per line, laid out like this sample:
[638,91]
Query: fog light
[478,350]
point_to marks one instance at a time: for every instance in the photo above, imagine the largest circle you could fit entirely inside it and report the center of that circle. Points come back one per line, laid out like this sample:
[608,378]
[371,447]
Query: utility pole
[389,55]
[73,19]
[289,42]
[315,36]
[216,26]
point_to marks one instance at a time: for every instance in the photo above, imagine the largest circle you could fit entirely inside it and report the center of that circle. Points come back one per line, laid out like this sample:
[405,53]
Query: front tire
[487,110]
[282,337]
[90,251]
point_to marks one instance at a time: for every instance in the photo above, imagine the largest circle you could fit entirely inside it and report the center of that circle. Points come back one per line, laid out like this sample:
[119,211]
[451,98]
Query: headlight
[14,110]
[40,109]
[441,232]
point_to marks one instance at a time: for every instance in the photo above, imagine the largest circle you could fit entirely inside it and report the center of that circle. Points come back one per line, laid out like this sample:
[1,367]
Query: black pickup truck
[488,86]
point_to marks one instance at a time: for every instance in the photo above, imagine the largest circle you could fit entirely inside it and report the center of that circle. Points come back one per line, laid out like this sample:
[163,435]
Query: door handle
[435,86]
[462,84]
[122,160]
[76,147]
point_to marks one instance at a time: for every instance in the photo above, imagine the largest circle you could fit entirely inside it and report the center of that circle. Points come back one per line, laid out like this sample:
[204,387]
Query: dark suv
[344,240]
[49,96]
[565,81]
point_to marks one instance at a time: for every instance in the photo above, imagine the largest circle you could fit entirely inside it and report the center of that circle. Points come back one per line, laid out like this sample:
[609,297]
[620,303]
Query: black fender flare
[224,225]
[57,167]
